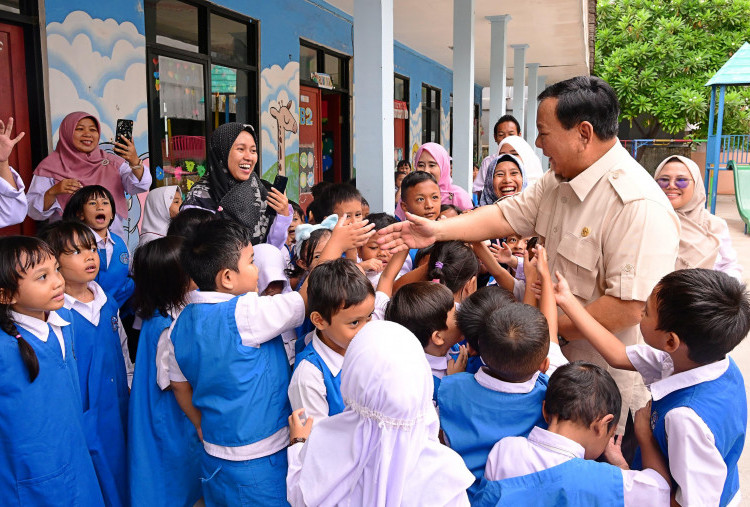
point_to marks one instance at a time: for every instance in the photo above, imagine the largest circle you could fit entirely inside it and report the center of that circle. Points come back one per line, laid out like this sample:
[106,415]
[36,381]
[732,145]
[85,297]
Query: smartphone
[530,244]
[124,129]
[279,183]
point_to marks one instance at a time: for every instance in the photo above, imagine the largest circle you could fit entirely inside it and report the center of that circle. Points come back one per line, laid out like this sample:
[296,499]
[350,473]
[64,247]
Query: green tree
[659,54]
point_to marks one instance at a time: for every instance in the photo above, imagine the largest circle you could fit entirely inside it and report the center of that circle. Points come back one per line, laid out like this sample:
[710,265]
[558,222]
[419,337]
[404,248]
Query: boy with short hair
[581,409]
[420,195]
[228,346]
[342,300]
[692,320]
[342,199]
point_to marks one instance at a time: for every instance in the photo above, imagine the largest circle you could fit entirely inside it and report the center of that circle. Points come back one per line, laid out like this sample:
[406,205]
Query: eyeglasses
[678,182]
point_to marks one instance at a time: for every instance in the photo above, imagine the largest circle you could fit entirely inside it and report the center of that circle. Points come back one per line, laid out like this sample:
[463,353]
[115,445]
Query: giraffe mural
[285,122]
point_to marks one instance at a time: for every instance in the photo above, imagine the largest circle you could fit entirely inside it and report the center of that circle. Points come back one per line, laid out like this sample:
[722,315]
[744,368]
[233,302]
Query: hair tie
[439,265]
[436,280]
[18,336]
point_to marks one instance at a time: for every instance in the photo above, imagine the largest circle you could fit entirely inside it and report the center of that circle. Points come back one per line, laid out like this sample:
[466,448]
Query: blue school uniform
[474,418]
[163,447]
[104,396]
[241,393]
[722,405]
[575,482]
[43,454]
[114,278]
[332,383]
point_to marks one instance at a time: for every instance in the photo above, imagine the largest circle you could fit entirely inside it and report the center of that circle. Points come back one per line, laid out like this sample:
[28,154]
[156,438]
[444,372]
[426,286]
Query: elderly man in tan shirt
[607,226]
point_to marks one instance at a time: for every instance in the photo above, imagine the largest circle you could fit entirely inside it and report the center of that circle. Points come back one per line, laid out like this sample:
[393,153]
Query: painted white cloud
[104,33]
[64,97]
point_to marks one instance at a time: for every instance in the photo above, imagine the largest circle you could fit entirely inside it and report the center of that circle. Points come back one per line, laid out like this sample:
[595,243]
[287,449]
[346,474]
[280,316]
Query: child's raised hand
[278,202]
[6,143]
[613,453]
[541,262]
[296,428]
[530,271]
[349,234]
[642,423]
[459,365]
[563,295]
[503,253]
[375,265]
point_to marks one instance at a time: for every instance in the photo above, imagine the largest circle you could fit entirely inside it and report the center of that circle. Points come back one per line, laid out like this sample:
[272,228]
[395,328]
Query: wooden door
[310,143]
[14,103]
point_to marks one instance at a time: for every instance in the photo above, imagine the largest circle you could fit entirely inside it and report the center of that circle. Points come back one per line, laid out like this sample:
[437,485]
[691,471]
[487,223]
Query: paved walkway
[727,209]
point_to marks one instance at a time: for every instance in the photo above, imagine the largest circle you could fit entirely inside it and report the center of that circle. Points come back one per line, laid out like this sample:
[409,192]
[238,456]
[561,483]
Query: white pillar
[541,84]
[463,92]
[498,71]
[373,101]
[531,103]
[519,82]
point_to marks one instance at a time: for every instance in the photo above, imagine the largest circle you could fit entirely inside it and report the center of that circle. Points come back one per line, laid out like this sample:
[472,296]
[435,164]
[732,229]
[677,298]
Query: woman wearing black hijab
[232,189]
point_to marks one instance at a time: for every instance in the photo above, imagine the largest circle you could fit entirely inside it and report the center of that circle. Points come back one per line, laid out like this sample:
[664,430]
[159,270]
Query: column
[463,92]
[541,84]
[531,103]
[373,101]
[519,83]
[498,71]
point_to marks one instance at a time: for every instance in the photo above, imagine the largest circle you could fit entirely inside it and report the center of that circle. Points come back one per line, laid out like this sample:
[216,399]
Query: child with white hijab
[383,449]
[162,204]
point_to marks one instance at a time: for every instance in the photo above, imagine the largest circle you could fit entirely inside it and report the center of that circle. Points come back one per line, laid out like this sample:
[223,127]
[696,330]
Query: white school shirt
[259,320]
[307,388]
[91,310]
[40,329]
[13,204]
[40,184]
[542,449]
[694,461]
[438,364]
[381,303]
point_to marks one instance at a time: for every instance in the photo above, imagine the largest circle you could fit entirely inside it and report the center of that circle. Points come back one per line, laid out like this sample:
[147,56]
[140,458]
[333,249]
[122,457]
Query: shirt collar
[38,327]
[94,306]
[100,242]
[555,443]
[486,380]
[689,378]
[584,182]
[333,360]
[198,296]
[438,362]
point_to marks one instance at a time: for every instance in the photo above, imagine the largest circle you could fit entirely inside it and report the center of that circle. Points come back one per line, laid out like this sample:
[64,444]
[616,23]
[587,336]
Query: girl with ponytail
[45,459]
[454,265]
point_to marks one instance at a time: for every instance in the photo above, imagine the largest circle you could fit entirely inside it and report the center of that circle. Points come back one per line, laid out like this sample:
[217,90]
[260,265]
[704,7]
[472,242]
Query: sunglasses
[678,182]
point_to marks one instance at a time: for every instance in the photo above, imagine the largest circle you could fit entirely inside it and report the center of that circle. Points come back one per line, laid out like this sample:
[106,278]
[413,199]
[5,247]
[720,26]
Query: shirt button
[628,267]
[615,176]
[564,200]
[554,229]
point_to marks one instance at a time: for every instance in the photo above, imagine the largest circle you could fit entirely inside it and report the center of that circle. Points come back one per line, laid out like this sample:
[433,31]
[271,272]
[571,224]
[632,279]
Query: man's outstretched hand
[415,232]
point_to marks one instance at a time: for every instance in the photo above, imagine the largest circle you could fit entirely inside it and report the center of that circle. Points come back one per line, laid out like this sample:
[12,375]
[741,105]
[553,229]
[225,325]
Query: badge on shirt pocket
[654,418]
[124,257]
[115,325]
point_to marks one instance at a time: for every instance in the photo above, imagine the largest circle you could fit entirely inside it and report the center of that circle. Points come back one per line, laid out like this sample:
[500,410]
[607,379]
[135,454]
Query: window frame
[428,111]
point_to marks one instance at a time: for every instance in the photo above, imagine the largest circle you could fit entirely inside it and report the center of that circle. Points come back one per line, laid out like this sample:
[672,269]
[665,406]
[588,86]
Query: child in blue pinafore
[227,346]
[98,342]
[556,466]
[94,206]
[43,453]
[692,320]
[342,300]
[163,446]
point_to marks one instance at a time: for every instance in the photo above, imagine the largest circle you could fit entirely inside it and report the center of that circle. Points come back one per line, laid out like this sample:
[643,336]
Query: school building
[335,90]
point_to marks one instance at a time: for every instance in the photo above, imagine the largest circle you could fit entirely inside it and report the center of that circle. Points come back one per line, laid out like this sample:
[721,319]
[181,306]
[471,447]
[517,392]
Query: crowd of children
[329,371]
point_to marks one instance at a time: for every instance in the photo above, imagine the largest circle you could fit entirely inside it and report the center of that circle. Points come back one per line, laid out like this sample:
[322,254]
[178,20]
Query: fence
[735,147]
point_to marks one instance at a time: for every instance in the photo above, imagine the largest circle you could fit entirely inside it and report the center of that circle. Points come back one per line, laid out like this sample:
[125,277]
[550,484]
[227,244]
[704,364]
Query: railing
[734,147]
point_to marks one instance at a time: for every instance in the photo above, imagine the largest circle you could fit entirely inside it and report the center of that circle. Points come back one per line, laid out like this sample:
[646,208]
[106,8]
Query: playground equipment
[742,190]
[736,72]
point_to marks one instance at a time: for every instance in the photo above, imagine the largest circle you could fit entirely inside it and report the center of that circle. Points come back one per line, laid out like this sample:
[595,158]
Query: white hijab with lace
[383,449]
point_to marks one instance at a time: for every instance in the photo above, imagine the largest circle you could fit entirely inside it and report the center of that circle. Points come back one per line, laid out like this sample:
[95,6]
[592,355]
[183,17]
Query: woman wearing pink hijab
[434,159]
[78,161]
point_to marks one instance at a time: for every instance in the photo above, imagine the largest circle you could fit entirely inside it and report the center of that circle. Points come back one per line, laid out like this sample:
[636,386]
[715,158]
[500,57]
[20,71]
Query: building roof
[736,71]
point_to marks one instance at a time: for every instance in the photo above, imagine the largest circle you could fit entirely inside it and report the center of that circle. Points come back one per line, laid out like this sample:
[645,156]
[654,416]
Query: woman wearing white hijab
[383,449]
[513,145]
[162,204]
[704,238]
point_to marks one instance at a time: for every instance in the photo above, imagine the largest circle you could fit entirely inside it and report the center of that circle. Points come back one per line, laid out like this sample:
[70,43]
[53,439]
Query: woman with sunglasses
[233,189]
[704,239]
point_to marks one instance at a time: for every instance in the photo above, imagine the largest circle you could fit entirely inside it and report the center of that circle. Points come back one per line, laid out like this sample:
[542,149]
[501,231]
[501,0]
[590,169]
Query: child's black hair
[503,119]
[402,163]
[297,210]
[421,254]
[708,310]
[364,201]
[78,200]
[422,308]
[582,393]
[334,195]
[318,189]
[459,264]
[306,253]
[381,220]
[472,315]
[414,179]
[212,247]
[446,207]
[161,283]
[187,220]
[336,285]
[18,254]
[515,342]
[66,235]
[314,213]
